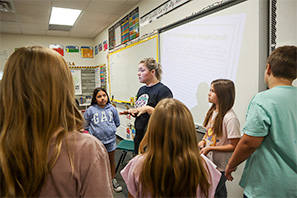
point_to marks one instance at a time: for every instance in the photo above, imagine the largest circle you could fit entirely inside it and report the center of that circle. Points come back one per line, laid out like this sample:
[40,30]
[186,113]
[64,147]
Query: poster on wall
[96,49]
[86,51]
[58,48]
[76,75]
[111,38]
[105,45]
[72,49]
[134,24]
[100,47]
[125,29]
[117,35]
[97,77]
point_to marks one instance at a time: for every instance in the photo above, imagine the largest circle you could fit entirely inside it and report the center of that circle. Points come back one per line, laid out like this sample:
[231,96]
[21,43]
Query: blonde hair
[225,91]
[172,165]
[36,103]
[152,64]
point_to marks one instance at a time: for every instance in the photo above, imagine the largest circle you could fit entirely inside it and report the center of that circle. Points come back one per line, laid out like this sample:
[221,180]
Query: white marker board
[123,68]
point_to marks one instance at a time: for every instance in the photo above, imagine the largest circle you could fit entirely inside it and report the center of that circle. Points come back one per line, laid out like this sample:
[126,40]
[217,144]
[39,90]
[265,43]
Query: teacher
[148,96]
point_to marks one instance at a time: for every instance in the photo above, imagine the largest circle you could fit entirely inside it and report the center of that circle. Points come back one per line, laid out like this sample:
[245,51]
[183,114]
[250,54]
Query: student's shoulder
[230,115]
[136,162]
[91,108]
[86,142]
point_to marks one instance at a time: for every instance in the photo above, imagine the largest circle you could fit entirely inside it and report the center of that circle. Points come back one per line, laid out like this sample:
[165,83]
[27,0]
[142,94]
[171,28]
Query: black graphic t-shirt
[150,96]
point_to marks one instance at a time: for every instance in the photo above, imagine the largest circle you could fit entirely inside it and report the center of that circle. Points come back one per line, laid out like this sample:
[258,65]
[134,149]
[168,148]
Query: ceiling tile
[94,16]
[74,4]
[34,32]
[29,18]
[24,8]
[113,18]
[34,26]
[123,9]
[103,6]
[87,24]
[11,31]
[8,24]
[32,2]
[4,16]
[32,16]
[56,33]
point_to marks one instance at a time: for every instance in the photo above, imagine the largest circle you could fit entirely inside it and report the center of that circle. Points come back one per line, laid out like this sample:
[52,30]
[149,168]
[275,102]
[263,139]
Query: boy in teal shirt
[270,131]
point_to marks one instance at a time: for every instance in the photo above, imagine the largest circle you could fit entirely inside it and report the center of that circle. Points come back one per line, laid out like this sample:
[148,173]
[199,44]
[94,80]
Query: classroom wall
[286,26]
[146,6]
[287,22]
[8,43]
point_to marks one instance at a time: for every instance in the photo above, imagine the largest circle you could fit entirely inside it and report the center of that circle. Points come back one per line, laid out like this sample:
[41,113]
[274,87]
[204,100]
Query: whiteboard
[222,44]
[123,68]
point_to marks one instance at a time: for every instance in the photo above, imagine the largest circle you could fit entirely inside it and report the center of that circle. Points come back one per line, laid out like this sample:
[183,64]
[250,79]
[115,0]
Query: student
[42,153]
[102,120]
[170,164]
[148,96]
[223,131]
[270,132]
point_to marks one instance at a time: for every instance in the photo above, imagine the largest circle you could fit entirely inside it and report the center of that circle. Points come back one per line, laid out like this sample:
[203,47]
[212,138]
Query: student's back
[269,140]
[90,175]
[277,108]
[42,152]
[170,164]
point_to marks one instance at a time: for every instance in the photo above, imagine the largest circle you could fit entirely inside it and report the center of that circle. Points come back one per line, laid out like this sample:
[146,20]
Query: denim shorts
[111,146]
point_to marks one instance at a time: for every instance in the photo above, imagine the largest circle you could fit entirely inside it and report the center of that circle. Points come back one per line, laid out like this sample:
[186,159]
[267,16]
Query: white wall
[286,26]
[8,43]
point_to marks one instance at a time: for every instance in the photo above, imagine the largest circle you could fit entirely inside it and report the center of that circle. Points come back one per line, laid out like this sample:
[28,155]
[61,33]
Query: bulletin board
[123,68]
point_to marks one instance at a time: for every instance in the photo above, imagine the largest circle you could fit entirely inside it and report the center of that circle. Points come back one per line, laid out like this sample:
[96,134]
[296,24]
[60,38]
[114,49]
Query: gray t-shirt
[91,176]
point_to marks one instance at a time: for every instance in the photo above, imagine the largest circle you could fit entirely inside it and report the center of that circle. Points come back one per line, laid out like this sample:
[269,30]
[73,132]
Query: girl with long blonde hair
[42,153]
[223,130]
[170,164]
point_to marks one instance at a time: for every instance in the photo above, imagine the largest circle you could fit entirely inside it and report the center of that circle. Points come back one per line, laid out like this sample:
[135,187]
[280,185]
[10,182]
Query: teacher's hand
[138,111]
[134,112]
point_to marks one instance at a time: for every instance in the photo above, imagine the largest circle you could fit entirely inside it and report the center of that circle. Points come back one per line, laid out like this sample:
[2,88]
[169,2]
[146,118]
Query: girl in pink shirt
[170,164]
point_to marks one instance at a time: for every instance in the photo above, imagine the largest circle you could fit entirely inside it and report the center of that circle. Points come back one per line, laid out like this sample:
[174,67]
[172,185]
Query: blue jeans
[221,191]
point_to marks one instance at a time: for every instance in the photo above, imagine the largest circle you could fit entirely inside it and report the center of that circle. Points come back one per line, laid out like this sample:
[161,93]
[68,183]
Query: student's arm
[246,147]
[223,148]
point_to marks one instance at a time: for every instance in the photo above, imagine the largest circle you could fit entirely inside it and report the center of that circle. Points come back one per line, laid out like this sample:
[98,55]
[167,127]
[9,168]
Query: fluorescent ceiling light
[64,16]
